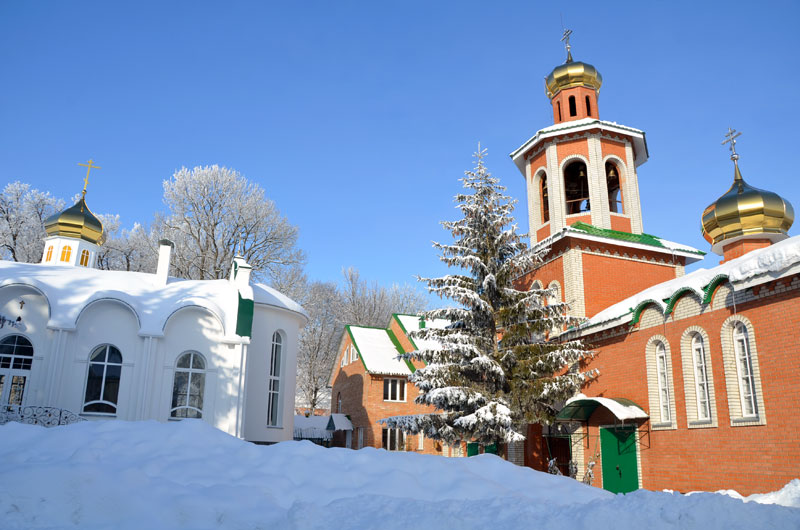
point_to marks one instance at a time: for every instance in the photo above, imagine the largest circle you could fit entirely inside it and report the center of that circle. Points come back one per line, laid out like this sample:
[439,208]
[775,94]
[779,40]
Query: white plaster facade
[66,313]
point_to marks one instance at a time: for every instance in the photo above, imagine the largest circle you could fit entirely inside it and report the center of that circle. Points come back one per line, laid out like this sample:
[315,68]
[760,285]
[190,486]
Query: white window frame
[398,390]
[393,439]
[274,381]
[344,359]
[360,437]
[353,353]
[702,390]
[744,371]
[193,374]
[662,375]
[105,363]
[421,441]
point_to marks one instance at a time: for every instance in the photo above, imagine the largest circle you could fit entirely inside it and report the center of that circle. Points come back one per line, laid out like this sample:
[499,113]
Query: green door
[618,450]
[490,449]
[472,448]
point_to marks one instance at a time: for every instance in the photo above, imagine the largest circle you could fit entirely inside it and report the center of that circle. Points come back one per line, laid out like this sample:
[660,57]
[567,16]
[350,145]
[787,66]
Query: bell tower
[583,198]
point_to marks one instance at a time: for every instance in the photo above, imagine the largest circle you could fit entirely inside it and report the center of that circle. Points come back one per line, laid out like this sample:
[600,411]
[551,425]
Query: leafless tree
[22,214]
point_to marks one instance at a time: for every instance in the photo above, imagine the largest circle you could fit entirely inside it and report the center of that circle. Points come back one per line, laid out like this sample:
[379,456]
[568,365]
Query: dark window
[545,198]
[588,106]
[189,386]
[394,389]
[102,383]
[614,192]
[576,188]
[558,105]
[573,108]
[393,440]
[16,352]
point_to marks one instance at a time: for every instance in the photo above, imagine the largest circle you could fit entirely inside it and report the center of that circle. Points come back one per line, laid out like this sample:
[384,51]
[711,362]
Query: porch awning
[580,408]
[339,422]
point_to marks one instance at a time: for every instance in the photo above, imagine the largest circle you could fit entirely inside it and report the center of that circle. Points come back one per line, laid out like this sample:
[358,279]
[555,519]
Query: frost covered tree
[22,214]
[366,304]
[126,250]
[214,213]
[492,370]
[318,344]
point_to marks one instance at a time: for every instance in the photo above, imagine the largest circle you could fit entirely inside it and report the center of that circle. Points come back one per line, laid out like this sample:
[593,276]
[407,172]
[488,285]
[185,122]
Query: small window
[189,386]
[393,440]
[421,441]
[394,389]
[744,368]
[345,355]
[353,353]
[663,382]
[49,255]
[558,105]
[588,106]
[701,378]
[339,403]
[274,381]
[66,253]
[84,258]
[102,383]
[545,200]
[573,108]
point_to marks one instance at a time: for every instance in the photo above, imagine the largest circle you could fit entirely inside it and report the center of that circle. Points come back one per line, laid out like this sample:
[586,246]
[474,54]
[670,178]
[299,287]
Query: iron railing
[35,415]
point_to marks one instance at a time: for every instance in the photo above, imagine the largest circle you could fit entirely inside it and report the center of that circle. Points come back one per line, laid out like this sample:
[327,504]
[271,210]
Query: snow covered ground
[187,474]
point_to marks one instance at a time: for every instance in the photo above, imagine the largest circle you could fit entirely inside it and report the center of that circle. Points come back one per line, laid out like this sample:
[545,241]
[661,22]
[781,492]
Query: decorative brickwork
[695,338]
[734,372]
[662,412]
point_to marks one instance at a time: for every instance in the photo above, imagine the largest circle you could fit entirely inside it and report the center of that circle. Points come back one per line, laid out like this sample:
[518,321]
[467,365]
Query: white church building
[135,346]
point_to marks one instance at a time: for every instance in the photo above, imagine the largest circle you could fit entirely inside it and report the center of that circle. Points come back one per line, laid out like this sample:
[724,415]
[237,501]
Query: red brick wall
[610,279]
[580,94]
[548,272]
[564,148]
[742,247]
[621,224]
[748,459]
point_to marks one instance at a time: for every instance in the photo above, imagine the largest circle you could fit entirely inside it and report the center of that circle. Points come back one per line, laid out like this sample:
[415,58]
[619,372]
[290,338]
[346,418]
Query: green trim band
[637,312]
[399,348]
[672,300]
[709,289]
[353,341]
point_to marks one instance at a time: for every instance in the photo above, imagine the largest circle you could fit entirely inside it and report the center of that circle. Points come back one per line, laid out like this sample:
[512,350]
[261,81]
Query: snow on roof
[412,322]
[757,266]
[378,351]
[70,289]
[621,411]
[311,427]
[339,422]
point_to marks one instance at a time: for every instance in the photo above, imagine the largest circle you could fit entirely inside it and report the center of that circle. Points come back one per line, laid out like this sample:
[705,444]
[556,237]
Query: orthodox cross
[88,167]
[565,40]
[21,303]
[731,138]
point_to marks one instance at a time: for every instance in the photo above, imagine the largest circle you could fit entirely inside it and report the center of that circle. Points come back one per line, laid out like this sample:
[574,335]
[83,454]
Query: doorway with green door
[618,452]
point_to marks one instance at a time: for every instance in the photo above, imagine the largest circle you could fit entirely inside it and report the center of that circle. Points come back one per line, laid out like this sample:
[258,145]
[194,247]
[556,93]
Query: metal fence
[33,415]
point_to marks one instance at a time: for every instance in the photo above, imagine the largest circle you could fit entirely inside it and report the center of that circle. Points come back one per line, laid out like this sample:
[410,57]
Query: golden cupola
[745,212]
[572,74]
[77,222]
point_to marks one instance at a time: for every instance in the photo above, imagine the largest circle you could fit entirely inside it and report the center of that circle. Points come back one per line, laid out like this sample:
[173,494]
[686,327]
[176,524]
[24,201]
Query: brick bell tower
[583,200]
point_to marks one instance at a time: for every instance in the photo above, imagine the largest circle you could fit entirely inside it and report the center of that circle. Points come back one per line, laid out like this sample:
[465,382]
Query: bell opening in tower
[576,188]
[573,107]
[544,200]
[614,190]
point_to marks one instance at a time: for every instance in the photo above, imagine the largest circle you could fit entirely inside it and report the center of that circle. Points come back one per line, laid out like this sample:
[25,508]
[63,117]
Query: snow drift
[187,474]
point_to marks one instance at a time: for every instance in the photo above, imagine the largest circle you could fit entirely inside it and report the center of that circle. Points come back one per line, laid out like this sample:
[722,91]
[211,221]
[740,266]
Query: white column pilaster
[555,184]
[598,190]
[631,192]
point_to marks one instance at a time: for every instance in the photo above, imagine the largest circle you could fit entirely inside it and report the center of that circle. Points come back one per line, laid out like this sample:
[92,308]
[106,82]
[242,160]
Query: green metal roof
[642,239]
[582,409]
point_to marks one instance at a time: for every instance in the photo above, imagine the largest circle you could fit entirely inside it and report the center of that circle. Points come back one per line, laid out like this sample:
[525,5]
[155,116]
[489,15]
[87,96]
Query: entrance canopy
[580,408]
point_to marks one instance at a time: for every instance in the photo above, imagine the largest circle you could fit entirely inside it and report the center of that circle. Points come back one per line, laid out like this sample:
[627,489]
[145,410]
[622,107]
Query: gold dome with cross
[77,221]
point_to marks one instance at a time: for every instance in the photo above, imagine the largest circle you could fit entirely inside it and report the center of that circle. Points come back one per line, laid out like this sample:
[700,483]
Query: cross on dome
[731,137]
[565,40]
[88,167]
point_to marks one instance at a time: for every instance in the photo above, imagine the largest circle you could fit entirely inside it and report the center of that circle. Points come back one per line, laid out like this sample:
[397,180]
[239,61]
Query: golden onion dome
[572,74]
[78,222]
[746,211]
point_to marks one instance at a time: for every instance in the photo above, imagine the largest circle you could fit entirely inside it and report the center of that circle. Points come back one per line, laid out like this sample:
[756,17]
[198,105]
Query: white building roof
[758,266]
[70,289]
[378,351]
[412,322]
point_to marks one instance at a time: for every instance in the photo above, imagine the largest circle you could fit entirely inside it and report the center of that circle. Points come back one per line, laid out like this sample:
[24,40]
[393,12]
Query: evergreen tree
[491,370]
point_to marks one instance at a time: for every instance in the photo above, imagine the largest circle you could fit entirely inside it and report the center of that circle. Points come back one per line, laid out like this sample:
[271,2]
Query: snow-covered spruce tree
[492,370]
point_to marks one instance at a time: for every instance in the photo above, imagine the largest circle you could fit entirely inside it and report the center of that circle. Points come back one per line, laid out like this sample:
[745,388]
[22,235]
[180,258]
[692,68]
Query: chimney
[240,272]
[165,247]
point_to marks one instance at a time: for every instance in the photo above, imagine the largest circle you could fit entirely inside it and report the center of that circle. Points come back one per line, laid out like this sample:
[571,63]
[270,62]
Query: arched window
[573,107]
[701,378]
[102,383]
[576,188]
[274,381]
[544,198]
[339,403]
[84,258]
[16,357]
[663,382]
[558,105]
[588,106]
[614,191]
[66,253]
[744,368]
[189,386]
[49,253]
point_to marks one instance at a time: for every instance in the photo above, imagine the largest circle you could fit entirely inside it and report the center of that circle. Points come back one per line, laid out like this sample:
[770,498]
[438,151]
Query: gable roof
[379,349]
[758,266]
[409,323]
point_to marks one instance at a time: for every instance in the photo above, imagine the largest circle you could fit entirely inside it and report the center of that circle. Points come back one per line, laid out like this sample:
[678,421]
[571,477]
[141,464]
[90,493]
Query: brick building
[369,383]
[698,381]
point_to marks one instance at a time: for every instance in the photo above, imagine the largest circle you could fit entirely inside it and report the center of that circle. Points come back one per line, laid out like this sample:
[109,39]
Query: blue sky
[358,118]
